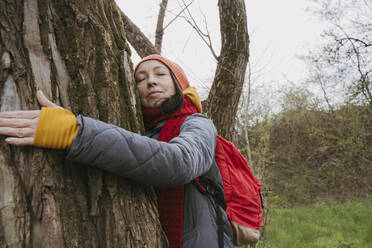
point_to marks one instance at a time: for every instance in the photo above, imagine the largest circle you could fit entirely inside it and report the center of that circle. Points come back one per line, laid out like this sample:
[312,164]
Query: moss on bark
[57,203]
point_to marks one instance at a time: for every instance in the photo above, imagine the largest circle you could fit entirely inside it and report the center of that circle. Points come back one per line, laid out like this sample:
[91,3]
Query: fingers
[28,114]
[18,132]
[44,102]
[21,125]
[5,122]
[28,141]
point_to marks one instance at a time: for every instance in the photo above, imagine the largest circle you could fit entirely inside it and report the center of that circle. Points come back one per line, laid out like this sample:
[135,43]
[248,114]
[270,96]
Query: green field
[329,225]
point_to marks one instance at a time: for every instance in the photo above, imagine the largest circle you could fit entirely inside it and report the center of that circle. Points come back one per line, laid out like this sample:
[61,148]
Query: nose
[151,81]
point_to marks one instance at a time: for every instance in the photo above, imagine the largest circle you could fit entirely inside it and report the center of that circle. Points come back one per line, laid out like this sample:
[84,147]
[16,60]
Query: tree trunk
[76,52]
[223,99]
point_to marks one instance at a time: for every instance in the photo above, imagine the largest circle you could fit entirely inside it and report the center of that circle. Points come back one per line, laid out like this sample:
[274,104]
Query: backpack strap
[208,186]
[261,198]
[212,191]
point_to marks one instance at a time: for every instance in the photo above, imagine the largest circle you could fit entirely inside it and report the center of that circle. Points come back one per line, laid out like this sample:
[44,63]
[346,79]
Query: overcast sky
[279,30]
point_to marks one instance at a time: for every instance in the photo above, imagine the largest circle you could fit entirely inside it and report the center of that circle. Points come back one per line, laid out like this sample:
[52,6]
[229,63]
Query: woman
[179,148]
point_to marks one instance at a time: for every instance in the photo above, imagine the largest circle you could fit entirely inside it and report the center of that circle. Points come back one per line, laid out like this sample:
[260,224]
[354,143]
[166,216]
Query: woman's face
[154,83]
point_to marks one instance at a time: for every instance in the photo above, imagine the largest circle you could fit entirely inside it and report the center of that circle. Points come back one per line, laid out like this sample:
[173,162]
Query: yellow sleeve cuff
[56,128]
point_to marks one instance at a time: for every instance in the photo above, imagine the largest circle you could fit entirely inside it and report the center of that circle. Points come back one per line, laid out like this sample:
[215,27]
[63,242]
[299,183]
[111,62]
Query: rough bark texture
[76,52]
[223,99]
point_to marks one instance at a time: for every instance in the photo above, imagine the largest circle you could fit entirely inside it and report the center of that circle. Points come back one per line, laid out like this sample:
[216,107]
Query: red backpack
[242,190]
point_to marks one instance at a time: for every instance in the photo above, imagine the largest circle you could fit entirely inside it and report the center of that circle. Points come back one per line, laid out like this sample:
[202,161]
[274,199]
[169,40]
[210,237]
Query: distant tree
[343,63]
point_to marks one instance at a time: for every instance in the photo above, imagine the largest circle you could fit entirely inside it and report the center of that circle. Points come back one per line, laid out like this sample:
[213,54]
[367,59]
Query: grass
[326,225]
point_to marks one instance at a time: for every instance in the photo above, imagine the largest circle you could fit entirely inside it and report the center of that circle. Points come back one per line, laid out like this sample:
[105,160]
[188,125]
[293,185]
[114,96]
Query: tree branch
[159,26]
[363,76]
[365,44]
[137,39]
[232,63]
[204,36]
[178,15]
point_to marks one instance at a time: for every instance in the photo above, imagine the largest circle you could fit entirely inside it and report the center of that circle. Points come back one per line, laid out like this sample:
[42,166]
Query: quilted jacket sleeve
[143,159]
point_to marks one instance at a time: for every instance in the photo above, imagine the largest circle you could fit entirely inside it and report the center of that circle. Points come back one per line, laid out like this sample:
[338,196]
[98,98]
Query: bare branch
[178,15]
[204,36]
[159,26]
[322,86]
[365,44]
[249,82]
[362,80]
[365,82]
[137,39]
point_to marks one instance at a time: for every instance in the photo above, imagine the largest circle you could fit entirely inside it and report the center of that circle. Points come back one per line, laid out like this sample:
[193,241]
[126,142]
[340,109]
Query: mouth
[153,93]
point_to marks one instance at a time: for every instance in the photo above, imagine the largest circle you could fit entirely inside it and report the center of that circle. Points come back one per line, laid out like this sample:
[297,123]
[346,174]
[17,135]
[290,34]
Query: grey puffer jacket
[151,162]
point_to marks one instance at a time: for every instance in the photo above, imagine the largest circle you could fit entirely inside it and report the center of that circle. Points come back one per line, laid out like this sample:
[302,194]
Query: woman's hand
[21,125]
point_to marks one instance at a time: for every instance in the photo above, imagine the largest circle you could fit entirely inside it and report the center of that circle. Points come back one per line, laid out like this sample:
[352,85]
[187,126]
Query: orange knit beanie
[176,69]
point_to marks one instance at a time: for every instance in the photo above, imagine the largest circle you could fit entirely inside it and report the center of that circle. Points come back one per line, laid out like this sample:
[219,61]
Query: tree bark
[222,103]
[76,52]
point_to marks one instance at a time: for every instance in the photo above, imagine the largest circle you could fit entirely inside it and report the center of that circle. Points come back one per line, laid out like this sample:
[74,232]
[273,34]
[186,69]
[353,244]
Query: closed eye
[138,80]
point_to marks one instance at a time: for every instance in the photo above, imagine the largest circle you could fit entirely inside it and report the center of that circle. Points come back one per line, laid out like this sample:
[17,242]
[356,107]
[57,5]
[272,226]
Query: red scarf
[170,200]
